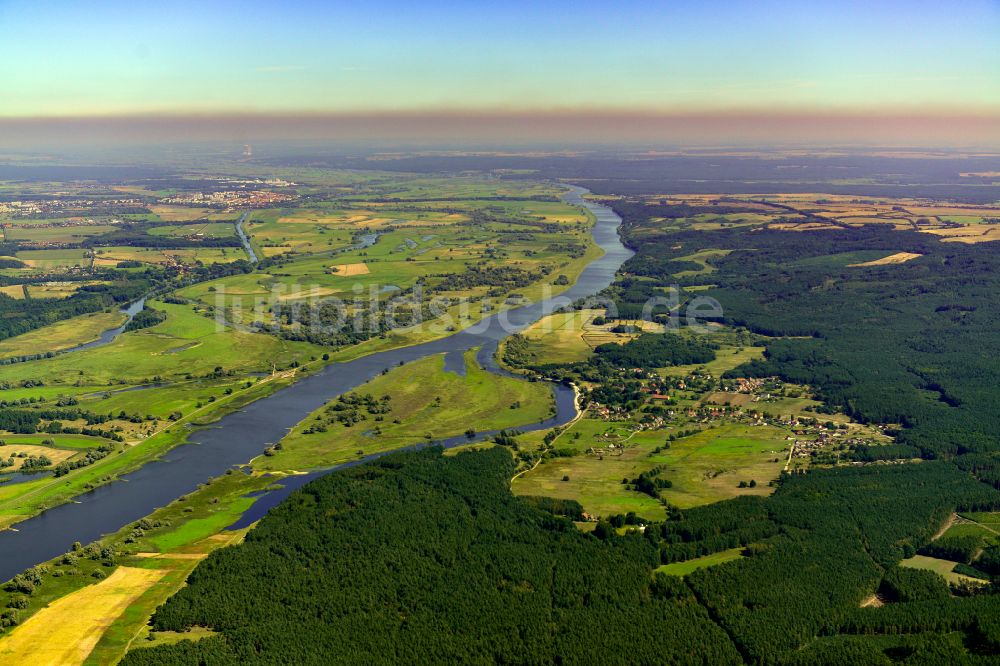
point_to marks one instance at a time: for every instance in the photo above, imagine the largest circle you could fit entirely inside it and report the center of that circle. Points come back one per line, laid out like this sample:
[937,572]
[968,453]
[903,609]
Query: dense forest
[907,344]
[421,557]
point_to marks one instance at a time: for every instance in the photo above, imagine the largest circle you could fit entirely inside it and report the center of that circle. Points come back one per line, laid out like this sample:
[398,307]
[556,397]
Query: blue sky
[108,58]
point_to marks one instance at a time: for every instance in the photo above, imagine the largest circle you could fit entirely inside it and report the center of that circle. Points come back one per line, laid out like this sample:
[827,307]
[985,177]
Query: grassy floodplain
[180,356]
[425,402]
[61,335]
[188,369]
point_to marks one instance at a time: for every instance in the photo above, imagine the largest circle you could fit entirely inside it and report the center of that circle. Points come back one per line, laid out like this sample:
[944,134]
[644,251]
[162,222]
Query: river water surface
[240,436]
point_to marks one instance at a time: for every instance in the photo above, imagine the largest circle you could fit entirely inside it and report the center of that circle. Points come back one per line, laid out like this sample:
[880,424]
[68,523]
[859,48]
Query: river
[242,435]
[109,335]
[251,255]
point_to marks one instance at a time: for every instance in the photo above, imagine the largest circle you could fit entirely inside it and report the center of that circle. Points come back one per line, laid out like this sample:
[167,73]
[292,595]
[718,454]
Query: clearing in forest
[898,258]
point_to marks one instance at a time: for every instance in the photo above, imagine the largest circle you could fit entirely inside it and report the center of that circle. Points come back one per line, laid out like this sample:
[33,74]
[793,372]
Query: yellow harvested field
[55,455]
[855,211]
[807,226]
[898,258]
[66,631]
[53,290]
[347,270]
[970,234]
[315,292]
[933,211]
[13,290]
[898,222]
[274,250]
[381,222]
[101,261]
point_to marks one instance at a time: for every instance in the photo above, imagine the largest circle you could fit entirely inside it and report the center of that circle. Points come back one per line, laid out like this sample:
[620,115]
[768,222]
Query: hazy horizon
[732,72]
[524,129]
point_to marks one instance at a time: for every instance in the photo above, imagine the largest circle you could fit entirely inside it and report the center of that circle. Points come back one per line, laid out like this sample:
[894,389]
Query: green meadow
[187,343]
[425,401]
[61,335]
[705,467]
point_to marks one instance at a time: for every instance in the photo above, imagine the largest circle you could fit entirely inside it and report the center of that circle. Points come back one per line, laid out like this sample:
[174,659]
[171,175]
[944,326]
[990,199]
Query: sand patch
[898,258]
[67,630]
[347,270]
[874,601]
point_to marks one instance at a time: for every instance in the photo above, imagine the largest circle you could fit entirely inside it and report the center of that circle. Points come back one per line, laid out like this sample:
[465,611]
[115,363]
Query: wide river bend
[242,435]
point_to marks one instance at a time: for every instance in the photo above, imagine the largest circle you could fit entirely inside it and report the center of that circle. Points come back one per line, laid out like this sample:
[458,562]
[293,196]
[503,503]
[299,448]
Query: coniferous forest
[421,557]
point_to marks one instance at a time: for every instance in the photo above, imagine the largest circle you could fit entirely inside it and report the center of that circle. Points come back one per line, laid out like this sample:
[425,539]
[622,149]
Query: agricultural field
[471,256]
[58,289]
[67,233]
[55,260]
[77,616]
[965,223]
[111,256]
[468,188]
[702,257]
[197,230]
[15,291]
[944,568]
[81,618]
[169,213]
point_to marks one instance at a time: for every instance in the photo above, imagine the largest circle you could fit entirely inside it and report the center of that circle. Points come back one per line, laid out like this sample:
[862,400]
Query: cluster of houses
[612,449]
[229,200]
[42,207]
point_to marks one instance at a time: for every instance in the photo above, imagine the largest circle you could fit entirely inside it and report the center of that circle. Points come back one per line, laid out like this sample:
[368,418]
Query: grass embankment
[425,402]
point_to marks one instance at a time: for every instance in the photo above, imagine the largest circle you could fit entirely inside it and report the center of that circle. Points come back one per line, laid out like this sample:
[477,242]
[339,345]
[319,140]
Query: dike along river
[240,436]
